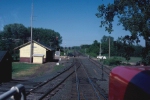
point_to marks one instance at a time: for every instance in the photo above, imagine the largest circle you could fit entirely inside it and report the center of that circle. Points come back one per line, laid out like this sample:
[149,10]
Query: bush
[92,54]
[146,60]
[112,61]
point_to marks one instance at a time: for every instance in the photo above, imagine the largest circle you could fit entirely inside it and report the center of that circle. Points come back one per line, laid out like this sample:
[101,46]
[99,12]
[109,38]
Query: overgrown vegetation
[112,61]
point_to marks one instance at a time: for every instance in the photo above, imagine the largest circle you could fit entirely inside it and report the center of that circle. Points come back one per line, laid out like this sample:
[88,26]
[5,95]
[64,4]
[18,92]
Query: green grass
[132,59]
[58,67]
[27,69]
[17,67]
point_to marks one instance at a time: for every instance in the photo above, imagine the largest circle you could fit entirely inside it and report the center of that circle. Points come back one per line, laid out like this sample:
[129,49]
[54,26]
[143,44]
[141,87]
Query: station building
[41,53]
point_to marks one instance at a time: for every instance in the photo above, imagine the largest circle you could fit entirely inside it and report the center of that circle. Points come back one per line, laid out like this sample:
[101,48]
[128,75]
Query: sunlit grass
[132,59]
[23,69]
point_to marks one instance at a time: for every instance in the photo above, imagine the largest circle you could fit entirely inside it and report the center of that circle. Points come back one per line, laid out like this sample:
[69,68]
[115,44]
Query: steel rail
[94,62]
[77,82]
[90,81]
[47,92]
[100,92]
[45,82]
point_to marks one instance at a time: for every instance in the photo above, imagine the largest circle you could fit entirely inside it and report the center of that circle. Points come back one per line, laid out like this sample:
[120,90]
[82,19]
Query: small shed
[5,66]
[38,58]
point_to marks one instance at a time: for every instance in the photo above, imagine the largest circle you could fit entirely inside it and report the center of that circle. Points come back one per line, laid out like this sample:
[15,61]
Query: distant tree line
[16,34]
[120,47]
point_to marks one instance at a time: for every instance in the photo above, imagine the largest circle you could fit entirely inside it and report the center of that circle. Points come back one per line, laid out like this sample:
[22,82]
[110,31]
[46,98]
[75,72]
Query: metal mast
[100,49]
[109,47]
[31,49]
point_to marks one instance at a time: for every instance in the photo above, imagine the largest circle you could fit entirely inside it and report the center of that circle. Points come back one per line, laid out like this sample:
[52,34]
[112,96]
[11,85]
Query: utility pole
[31,49]
[109,47]
[100,49]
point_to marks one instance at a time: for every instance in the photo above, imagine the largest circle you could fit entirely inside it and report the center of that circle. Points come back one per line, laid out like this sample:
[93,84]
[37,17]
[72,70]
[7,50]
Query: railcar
[129,83]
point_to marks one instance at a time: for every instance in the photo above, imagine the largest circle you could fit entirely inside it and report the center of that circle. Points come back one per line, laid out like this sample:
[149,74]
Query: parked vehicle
[101,57]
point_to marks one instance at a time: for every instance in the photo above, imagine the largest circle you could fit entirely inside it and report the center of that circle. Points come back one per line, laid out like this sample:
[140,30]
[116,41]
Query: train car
[129,83]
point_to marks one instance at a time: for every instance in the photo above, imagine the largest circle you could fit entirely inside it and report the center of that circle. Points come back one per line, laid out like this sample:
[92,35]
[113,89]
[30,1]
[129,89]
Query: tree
[132,14]
[12,36]
[138,51]
[47,36]
[15,31]
[16,34]
[105,44]
[93,49]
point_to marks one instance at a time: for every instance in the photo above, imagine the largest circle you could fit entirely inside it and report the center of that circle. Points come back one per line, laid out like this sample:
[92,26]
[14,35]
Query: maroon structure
[129,83]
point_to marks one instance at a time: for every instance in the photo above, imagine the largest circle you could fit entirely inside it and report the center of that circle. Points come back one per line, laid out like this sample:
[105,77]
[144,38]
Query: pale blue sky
[75,20]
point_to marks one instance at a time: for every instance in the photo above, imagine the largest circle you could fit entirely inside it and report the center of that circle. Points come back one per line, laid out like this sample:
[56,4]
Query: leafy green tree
[47,36]
[16,34]
[12,36]
[15,31]
[105,44]
[125,47]
[133,15]
[94,48]
[138,51]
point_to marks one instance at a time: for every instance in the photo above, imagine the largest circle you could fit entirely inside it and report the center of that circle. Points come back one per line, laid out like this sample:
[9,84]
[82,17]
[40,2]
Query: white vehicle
[101,57]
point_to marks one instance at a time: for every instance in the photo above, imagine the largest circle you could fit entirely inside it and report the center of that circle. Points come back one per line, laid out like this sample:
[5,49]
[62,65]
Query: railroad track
[95,72]
[84,85]
[98,64]
[101,66]
[49,88]
[83,88]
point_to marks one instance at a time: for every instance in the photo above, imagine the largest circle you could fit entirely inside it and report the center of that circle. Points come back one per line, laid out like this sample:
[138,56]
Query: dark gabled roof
[44,46]
[2,54]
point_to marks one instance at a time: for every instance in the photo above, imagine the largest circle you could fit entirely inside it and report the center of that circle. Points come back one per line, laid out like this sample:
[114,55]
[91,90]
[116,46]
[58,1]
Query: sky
[74,20]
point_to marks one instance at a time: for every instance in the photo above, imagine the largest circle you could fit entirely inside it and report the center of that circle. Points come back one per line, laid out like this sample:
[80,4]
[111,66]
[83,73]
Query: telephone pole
[109,47]
[31,49]
[100,49]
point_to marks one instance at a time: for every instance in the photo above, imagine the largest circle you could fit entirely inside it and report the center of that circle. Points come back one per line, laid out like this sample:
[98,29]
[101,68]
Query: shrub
[112,61]
[92,54]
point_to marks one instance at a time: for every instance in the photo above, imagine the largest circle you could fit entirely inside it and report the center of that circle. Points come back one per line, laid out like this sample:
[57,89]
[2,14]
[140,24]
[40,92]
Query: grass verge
[58,67]
[23,69]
